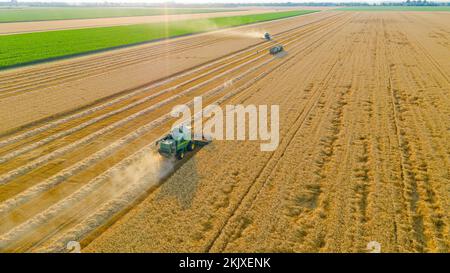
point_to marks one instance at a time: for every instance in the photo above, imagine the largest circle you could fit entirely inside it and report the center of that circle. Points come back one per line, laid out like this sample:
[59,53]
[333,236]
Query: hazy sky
[211,1]
[207,1]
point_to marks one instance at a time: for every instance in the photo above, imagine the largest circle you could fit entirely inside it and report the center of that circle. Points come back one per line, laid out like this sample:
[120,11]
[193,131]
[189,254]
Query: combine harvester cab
[178,142]
[267,36]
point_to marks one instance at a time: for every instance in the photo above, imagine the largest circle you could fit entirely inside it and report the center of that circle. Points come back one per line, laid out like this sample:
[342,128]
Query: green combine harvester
[179,142]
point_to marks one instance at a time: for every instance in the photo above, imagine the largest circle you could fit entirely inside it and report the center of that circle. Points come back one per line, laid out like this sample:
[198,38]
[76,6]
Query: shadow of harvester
[183,182]
[281,55]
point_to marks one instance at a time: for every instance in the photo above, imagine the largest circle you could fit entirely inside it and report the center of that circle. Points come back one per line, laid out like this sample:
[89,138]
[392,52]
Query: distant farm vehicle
[178,142]
[276,49]
[267,36]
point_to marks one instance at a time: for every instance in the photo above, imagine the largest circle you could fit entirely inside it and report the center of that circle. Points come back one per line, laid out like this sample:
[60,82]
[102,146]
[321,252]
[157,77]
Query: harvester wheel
[191,146]
[180,155]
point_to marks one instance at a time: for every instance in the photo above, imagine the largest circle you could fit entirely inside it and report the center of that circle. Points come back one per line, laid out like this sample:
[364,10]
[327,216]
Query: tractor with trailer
[178,142]
[276,49]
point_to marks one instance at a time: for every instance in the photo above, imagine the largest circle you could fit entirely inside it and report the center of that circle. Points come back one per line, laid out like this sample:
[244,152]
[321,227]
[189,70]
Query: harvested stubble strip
[44,159]
[62,176]
[58,178]
[61,134]
[89,111]
[31,47]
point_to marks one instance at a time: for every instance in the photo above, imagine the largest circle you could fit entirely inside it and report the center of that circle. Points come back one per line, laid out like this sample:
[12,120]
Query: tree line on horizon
[17,3]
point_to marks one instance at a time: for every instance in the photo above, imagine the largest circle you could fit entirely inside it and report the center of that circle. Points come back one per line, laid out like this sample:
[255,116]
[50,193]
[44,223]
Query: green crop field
[44,14]
[396,8]
[25,48]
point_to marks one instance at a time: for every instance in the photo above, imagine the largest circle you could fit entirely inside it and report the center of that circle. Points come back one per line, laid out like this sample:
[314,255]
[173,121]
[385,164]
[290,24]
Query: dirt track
[364,154]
